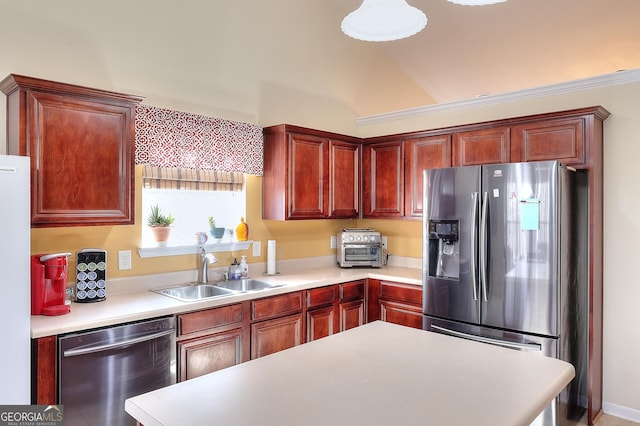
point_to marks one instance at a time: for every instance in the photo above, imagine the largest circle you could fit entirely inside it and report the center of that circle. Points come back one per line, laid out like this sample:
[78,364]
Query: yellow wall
[295,239]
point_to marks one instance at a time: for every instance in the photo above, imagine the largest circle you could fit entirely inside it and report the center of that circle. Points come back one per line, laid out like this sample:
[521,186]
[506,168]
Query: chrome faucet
[206,259]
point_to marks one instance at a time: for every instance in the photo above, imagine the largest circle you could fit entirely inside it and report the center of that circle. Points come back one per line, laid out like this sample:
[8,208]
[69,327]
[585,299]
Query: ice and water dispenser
[444,249]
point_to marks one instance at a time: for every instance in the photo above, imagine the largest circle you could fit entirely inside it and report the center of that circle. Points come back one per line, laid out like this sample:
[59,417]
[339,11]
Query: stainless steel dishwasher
[101,368]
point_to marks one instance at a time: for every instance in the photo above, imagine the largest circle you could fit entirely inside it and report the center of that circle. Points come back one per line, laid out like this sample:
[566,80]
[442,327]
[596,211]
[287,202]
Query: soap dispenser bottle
[244,267]
[234,270]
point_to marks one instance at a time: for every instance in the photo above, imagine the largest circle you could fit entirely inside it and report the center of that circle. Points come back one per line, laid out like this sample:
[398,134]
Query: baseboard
[621,411]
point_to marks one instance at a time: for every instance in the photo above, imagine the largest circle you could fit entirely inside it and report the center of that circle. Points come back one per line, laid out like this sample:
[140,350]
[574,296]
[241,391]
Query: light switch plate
[384,242]
[257,248]
[334,241]
[124,260]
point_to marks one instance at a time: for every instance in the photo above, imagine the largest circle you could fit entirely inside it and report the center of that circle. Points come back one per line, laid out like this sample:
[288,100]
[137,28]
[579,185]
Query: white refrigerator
[15,280]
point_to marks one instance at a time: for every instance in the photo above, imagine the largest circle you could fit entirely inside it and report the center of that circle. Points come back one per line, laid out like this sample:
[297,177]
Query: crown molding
[613,79]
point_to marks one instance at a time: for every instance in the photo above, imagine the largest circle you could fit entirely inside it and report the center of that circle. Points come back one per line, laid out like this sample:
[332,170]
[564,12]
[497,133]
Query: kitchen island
[376,374]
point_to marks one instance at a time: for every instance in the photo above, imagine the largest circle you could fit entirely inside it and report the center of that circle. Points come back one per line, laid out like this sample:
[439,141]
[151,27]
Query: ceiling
[470,51]
[258,61]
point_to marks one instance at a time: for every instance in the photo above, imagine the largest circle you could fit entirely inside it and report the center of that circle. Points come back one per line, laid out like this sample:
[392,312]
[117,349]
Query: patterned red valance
[166,138]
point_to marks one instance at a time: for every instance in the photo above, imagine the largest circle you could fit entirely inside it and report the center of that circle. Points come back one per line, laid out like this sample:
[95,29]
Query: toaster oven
[359,247]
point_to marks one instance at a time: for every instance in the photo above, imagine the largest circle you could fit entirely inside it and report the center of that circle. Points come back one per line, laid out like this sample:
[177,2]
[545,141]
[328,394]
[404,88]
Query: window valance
[175,139]
[194,179]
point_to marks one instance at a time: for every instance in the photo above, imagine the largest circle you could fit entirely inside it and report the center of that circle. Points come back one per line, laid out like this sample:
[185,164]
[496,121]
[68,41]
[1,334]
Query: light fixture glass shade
[475,2]
[383,20]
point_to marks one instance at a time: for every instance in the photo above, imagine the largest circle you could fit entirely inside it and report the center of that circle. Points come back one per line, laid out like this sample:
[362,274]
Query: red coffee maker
[49,284]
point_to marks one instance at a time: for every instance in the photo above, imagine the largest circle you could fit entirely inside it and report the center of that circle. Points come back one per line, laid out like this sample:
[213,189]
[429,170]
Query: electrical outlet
[124,260]
[334,241]
[257,248]
[384,242]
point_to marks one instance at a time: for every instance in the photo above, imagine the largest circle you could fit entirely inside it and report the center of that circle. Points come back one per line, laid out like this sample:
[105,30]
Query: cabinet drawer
[321,296]
[211,318]
[407,293]
[276,306]
[352,291]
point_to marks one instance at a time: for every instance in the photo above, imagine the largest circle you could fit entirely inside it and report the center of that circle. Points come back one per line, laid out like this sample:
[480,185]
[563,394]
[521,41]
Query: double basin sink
[196,291]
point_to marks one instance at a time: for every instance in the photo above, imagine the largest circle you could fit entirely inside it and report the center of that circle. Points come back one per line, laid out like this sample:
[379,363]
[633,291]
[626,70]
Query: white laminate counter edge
[143,304]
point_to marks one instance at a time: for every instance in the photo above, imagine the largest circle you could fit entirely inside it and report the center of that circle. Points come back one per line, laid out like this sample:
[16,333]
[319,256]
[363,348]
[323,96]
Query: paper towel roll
[271,257]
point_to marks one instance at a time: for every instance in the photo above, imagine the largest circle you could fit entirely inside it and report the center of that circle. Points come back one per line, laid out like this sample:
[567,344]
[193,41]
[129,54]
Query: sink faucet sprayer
[206,259]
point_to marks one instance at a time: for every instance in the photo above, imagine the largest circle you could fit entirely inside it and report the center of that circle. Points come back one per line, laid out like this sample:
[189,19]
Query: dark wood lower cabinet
[352,304]
[211,339]
[351,314]
[321,322]
[43,372]
[277,323]
[401,313]
[395,302]
[211,353]
[276,335]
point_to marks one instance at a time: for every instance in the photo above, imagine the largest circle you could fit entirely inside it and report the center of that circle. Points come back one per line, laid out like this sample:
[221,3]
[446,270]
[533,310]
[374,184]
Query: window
[191,196]
[191,210]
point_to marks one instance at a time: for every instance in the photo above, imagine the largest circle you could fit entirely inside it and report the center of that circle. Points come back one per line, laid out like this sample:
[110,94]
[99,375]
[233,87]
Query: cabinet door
[401,314]
[208,354]
[276,335]
[44,382]
[561,139]
[345,180]
[308,171]
[432,152]
[383,171]
[486,146]
[351,314]
[82,160]
[321,322]
[352,304]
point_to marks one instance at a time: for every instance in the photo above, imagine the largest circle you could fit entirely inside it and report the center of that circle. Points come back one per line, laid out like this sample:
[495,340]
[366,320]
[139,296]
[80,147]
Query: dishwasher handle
[115,345]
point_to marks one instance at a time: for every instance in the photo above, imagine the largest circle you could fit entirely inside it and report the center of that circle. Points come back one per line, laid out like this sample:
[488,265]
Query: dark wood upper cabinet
[308,184]
[555,139]
[383,179]
[429,152]
[310,174]
[344,188]
[81,144]
[483,146]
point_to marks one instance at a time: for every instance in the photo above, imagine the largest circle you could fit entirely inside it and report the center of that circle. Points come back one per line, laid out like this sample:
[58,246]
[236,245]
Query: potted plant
[160,225]
[216,233]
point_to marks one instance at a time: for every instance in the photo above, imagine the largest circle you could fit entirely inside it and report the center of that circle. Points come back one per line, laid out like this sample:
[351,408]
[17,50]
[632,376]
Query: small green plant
[212,222]
[157,219]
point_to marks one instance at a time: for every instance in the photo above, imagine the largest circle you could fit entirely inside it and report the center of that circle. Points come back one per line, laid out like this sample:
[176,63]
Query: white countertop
[140,303]
[376,374]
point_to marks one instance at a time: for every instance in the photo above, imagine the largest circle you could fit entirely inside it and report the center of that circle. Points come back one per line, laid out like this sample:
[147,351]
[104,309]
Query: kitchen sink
[193,292]
[247,284]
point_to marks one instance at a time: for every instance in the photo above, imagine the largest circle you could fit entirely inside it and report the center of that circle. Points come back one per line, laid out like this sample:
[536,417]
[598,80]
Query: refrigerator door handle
[482,339]
[483,245]
[474,246]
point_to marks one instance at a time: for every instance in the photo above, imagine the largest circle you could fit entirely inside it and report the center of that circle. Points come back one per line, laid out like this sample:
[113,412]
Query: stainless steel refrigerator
[15,231]
[505,262]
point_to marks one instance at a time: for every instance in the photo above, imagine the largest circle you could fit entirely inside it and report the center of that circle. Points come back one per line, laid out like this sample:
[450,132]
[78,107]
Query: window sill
[192,249]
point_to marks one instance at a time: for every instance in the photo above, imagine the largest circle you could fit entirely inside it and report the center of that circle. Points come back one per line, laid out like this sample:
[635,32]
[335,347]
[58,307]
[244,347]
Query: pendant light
[383,20]
[475,2]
